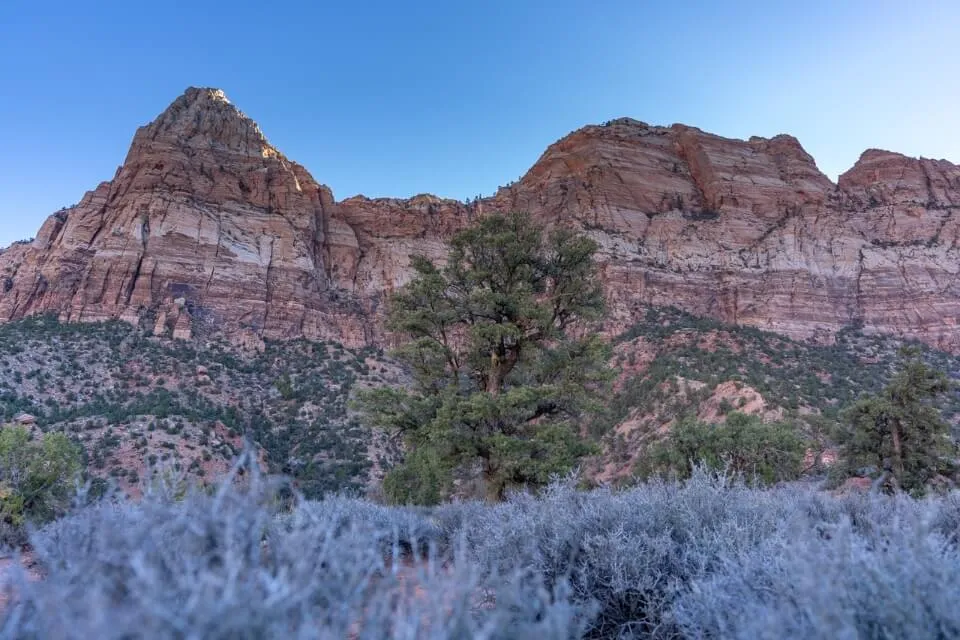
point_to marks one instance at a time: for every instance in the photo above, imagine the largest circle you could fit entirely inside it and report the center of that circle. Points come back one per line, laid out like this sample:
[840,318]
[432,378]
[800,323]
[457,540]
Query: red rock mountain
[207,225]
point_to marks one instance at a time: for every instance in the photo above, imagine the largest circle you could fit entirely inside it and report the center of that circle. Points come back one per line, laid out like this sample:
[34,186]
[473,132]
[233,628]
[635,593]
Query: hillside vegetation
[673,368]
[135,401]
[788,373]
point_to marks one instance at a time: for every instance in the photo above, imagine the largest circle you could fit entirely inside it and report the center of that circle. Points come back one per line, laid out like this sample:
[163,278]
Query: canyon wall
[206,226]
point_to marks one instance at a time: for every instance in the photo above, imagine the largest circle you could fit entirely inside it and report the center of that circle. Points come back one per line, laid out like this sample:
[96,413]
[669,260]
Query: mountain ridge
[207,226]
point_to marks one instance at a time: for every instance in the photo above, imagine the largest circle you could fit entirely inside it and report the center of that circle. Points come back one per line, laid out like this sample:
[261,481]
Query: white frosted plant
[707,558]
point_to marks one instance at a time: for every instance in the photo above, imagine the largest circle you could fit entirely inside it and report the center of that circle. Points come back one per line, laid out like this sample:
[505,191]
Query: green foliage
[786,372]
[37,478]
[499,378]
[84,378]
[898,436]
[743,444]
[285,387]
[421,479]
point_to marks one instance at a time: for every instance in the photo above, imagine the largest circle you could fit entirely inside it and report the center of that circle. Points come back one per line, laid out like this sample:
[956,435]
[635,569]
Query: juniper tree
[36,479]
[743,444]
[504,368]
[898,435]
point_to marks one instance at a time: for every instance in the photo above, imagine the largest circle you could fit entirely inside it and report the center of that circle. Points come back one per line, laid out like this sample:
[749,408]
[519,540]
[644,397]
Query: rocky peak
[626,122]
[208,227]
[205,227]
[205,118]
[872,166]
[882,177]
[785,146]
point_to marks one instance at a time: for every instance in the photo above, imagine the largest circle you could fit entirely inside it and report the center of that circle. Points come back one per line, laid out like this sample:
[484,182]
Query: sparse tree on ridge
[503,370]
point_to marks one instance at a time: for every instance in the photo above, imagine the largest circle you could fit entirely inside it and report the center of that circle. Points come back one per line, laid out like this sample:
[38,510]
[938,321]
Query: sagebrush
[708,557]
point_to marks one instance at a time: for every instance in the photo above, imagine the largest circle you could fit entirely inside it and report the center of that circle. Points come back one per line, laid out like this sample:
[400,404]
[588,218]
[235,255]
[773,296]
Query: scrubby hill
[672,365]
[135,401]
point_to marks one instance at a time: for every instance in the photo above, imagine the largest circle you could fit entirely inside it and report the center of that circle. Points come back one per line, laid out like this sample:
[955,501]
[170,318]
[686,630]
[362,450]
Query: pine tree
[504,371]
[898,436]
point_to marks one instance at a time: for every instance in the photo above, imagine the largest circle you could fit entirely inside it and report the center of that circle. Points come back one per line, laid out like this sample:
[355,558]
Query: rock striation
[205,223]
[751,232]
[207,226]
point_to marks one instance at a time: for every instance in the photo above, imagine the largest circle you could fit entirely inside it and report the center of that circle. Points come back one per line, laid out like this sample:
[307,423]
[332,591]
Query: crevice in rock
[858,311]
[132,283]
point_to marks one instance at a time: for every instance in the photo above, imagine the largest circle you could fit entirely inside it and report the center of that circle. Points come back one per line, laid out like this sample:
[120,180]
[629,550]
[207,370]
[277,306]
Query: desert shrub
[709,557]
[37,479]
[237,564]
[645,556]
[744,445]
[631,552]
[898,578]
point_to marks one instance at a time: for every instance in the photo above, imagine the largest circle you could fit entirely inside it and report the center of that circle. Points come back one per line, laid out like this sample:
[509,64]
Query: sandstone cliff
[751,232]
[207,225]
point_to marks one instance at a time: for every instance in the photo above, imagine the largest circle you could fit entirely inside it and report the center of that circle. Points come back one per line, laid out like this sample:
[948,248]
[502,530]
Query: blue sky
[456,98]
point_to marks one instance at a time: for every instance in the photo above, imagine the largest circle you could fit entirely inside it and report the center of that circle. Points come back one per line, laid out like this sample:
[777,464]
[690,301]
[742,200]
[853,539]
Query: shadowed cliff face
[207,225]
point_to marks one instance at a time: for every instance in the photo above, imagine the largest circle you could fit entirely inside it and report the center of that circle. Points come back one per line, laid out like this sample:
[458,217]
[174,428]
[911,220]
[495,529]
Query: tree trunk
[501,364]
[492,487]
[877,484]
[897,450]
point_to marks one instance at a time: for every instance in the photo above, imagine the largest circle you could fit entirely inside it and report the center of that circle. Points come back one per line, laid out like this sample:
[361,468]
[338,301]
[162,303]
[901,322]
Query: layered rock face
[751,232]
[206,224]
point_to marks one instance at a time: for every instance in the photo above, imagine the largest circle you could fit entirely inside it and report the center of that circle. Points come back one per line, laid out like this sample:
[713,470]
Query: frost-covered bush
[662,560]
[229,565]
[708,558]
[899,577]
[632,552]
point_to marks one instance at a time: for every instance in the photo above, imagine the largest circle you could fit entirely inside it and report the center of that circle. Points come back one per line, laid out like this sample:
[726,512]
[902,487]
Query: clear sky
[456,98]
